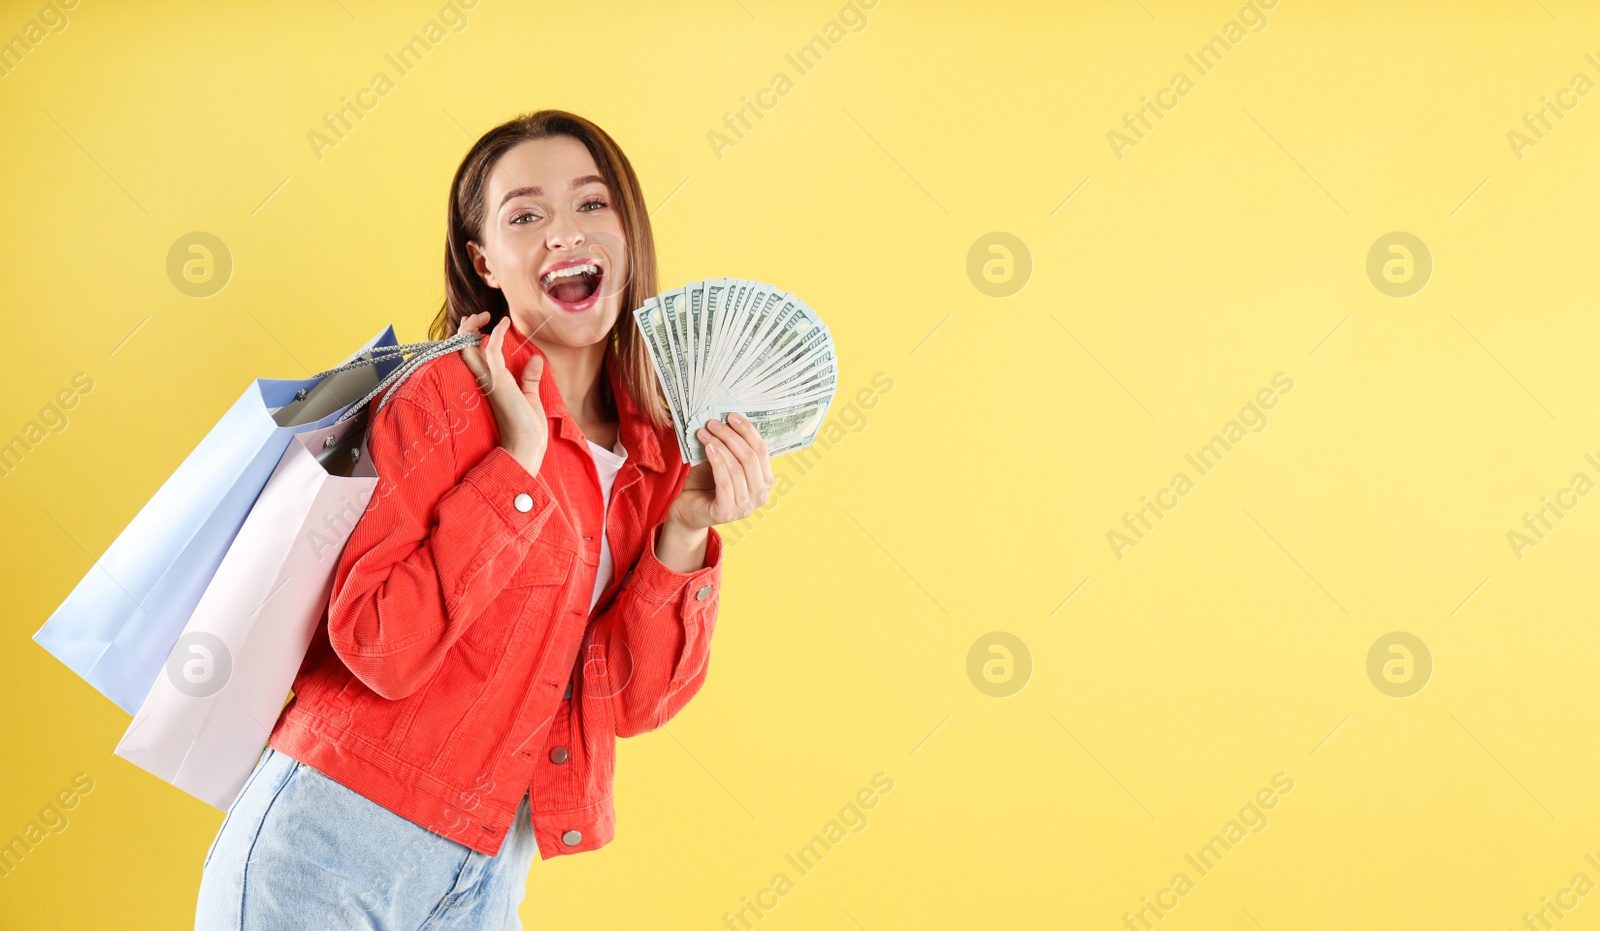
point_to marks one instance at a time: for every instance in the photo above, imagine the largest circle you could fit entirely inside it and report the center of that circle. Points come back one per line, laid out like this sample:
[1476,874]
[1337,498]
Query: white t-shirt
[607,462]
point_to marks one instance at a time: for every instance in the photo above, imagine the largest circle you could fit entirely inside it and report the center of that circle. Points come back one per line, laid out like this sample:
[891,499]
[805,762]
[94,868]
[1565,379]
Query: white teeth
[568,272]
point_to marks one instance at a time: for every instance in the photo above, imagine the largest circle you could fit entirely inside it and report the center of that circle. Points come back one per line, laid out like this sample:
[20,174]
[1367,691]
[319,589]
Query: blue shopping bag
[120,622]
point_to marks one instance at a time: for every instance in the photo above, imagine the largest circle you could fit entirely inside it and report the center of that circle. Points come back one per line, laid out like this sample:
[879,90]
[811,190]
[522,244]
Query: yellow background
[1228,646]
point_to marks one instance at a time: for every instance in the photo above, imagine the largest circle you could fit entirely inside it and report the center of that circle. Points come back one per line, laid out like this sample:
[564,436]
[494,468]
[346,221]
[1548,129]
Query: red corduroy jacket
[458,663]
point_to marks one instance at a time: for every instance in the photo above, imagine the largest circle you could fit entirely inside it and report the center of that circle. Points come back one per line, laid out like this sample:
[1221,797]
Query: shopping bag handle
[423,352]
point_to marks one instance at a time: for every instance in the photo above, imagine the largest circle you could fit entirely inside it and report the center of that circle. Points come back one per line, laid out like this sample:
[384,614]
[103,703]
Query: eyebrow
[536,191]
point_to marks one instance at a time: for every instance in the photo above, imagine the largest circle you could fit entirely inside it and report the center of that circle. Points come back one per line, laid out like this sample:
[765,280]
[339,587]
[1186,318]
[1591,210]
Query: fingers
[749,449]
[732,448]
[758,446]
[485,359]
[531,373]
[473,354]
[723,475]
[492,348]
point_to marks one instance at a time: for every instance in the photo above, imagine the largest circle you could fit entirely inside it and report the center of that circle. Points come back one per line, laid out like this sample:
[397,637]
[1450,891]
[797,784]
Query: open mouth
[573,287]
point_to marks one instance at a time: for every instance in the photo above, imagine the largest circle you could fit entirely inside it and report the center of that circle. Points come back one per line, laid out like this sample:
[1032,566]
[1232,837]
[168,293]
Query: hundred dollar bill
[731,344]
[782,429]
[653,327]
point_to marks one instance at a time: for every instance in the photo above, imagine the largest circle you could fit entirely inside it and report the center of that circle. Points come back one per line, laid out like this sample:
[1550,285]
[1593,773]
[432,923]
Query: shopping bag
[119,623]
[210,712]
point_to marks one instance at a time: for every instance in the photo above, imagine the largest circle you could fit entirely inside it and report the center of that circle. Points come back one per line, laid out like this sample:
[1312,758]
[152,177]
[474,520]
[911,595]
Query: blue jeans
[299,850]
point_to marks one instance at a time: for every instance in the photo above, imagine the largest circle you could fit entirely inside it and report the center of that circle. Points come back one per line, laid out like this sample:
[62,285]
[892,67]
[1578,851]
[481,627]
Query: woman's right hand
[518,412]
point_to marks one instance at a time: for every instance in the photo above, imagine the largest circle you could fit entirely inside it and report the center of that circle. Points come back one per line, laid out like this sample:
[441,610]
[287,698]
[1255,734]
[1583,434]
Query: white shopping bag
[207,718]
[205,721]
[120,621]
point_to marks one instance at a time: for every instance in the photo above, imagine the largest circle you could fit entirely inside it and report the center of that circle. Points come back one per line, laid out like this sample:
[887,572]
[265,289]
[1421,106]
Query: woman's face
[548,211]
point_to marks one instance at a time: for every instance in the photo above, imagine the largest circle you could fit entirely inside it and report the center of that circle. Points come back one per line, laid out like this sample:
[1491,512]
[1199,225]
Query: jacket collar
[639,438]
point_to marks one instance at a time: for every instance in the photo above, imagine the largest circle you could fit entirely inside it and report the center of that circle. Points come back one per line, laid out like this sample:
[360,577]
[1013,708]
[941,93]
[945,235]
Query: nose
[563,232]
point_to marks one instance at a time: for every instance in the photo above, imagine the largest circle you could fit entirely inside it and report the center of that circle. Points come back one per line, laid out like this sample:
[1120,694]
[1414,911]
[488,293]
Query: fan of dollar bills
[727,344]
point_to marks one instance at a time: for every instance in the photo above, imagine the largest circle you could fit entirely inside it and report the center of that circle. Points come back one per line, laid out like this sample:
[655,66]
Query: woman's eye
[584,207]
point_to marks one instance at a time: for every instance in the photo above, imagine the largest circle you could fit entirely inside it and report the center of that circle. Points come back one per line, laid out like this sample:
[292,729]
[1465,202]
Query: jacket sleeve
[650,650]
[431,551]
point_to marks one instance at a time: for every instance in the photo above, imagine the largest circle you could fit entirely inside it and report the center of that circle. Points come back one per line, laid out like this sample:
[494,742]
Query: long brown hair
[466,293]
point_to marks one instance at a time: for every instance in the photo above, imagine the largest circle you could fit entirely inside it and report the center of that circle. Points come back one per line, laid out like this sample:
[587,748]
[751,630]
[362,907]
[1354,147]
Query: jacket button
[524,502]
[558,755]
[703,593]
[571,838]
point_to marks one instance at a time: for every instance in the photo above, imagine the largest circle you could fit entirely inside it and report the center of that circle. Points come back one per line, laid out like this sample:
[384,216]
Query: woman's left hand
[733,481]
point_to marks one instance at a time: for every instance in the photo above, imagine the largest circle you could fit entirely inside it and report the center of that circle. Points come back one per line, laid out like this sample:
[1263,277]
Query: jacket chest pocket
[541,588]
[533,594]
[543,568]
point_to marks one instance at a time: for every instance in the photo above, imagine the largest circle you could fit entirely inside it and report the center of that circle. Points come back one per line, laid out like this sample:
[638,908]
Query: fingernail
[735,418]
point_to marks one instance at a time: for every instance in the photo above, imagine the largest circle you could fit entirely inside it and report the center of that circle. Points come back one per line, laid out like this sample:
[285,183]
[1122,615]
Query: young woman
[535,575]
